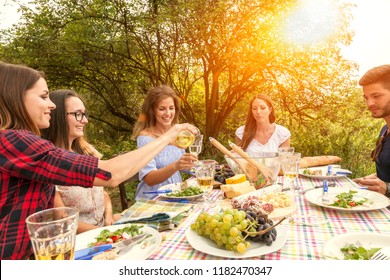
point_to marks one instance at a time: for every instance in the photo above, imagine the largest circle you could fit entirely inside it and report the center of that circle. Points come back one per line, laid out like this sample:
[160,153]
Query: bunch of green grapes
[233,228]
[224,228]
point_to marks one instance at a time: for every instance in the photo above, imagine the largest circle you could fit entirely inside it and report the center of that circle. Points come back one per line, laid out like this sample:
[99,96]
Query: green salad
[358,252]
[345,200]
[108,237]
[189,191]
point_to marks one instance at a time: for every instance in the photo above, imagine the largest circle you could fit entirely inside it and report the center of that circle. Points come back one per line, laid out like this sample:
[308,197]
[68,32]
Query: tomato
[115,238]
[352,203]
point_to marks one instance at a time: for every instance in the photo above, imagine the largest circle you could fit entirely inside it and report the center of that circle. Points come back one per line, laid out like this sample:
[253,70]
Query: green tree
[215,53]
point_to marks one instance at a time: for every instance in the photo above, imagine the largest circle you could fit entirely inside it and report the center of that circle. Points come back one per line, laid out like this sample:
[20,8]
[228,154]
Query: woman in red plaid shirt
[30,166]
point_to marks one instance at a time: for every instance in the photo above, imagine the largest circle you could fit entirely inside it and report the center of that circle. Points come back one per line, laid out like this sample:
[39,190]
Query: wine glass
[204,172]
[290,167]
[196,147]
[283,152]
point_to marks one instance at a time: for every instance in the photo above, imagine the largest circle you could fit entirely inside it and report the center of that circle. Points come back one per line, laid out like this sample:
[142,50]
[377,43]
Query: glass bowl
[268,159]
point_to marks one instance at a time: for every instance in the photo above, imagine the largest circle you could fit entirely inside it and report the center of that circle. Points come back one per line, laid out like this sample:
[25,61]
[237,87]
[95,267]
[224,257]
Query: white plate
[139,252]
[256,249]
[277,213]
[175,187]
[367,240]
[324,170]
[375,200]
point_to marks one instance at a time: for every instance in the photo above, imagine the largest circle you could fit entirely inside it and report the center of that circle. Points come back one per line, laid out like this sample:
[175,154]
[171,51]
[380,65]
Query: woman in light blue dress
[160,111]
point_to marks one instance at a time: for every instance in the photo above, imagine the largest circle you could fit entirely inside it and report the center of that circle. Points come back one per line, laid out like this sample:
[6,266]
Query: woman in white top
[260,133]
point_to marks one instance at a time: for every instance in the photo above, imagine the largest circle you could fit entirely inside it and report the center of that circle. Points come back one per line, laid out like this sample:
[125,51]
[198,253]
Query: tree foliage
[215,53]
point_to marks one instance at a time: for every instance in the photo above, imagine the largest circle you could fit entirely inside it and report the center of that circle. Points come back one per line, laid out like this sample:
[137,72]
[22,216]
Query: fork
[382,254]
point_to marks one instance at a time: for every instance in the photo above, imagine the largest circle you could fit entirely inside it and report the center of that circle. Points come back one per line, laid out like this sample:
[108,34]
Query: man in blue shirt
[376,93]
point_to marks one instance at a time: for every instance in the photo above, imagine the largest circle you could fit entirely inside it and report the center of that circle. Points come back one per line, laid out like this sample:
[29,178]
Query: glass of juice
[53,233]
[204,172]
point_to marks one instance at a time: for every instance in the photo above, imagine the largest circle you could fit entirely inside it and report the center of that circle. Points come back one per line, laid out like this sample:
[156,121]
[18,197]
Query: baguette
[318,161]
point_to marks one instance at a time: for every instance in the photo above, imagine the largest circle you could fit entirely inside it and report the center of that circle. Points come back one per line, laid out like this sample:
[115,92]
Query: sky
[370,46]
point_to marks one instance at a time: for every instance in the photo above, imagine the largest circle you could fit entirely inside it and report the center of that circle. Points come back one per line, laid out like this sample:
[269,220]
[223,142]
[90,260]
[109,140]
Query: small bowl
[268,159]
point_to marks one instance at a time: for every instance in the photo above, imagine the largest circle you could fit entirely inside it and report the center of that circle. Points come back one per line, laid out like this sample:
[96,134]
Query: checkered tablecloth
[161,215]
[305,240]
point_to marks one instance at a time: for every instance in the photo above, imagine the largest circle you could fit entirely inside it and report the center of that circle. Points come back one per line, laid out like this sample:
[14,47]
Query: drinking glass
[53,233]
[290,167]
[204,172]
[196,147]
[283,153]
[185,138]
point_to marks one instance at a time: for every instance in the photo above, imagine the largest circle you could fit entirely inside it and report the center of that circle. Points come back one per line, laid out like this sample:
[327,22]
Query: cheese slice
[233,190]
[238,178]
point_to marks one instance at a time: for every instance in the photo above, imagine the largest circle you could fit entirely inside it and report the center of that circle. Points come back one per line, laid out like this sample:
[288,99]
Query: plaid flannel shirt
[29,168]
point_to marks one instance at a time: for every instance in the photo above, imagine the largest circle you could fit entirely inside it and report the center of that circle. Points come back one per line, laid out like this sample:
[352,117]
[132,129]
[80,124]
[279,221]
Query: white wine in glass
[185,139]
[291,175]
[205,178]
[290,166]
[195,149]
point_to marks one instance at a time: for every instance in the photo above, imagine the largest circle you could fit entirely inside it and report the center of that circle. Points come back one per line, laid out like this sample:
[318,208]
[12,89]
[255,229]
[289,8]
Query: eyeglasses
[79,116]
[379,145]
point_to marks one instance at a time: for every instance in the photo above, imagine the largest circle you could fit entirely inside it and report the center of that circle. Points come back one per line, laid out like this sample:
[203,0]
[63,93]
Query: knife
[120,248]
[343,172]
[317,187]
[157,192]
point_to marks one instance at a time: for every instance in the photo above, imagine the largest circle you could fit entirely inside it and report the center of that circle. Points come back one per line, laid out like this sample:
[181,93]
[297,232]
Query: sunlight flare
[311,22]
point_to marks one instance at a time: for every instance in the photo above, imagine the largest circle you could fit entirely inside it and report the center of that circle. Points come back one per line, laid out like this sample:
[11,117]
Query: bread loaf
[318,161]
[233,190]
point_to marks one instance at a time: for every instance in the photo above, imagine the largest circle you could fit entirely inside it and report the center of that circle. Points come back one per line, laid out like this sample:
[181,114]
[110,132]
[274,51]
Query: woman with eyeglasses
[376,93]
[260,132]
[66,131]
[31,166]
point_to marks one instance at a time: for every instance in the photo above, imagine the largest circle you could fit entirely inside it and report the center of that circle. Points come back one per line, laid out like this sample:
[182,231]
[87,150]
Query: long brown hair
[58,131]
[147,117]
[250,124]
[15,80]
